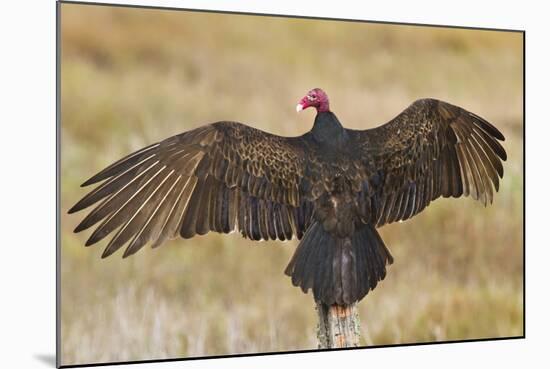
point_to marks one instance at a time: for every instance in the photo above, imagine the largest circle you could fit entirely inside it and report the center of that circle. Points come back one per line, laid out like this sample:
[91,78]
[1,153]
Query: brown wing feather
[219,177]
[431,149]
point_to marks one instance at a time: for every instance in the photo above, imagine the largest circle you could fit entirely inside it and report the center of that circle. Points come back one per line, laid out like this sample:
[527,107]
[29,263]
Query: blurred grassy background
[131,77]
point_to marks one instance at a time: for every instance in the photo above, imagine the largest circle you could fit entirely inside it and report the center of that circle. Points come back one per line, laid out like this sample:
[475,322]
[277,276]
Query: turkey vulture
[330,187]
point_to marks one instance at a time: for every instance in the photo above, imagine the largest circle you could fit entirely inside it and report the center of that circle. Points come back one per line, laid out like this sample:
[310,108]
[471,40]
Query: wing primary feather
[173,219]
[280,225]
[404,203]
[493,157]
[479,174]
[219,209]
[213,204]
[487,162]
[192,163]
[126,231]
[115,200]
[409,212]
[269,218]
[253,219]
[457,188]
[391,198]
[232,210]
[111,186]
[221,219]
[486,126]
[241,215]
[183,209]
[494,144]
[396,207]
[120,165]
[389,202]
[162,213]
[220,167]
[488,189]
[114,220]
[474,190]
[202,222]
[143,235]
[262,211]
[446,172]
[286,222]
[464,169]
[381,211]
[427,189]
[435,180]
[476,180]
[419,197]
[188,227]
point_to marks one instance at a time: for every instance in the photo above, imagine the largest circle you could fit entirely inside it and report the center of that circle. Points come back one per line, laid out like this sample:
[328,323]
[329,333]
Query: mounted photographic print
[240,184]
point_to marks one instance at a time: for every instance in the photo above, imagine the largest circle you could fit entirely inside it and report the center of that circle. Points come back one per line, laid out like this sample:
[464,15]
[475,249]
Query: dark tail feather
[339,270]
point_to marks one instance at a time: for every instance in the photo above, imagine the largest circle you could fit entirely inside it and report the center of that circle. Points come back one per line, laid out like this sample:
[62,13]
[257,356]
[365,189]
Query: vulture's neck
[327,129]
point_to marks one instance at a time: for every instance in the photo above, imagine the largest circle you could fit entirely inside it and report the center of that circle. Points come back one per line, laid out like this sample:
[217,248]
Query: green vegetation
[132,77]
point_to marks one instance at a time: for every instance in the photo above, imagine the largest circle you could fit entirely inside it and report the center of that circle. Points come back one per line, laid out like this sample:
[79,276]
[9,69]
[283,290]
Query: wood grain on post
[338,325]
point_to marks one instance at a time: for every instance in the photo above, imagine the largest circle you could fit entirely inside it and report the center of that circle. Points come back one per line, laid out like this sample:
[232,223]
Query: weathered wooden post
[338,325]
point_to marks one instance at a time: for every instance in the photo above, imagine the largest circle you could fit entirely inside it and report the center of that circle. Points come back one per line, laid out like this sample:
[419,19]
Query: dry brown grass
[132,77]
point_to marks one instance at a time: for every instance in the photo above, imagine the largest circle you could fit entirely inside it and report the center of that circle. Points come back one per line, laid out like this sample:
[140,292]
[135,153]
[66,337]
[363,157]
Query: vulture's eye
[311,97]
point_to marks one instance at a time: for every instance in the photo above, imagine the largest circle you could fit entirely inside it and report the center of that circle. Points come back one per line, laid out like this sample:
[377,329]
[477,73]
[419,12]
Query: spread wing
[431,149]
[219,177]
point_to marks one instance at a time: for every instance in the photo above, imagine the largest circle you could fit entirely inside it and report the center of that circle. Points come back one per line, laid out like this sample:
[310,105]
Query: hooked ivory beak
[299,108]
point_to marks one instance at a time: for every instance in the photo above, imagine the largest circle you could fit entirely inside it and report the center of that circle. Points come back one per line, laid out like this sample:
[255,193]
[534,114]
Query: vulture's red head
[316,98]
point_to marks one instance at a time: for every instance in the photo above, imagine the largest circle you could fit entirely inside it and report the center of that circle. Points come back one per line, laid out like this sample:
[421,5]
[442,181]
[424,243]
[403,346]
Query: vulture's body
[331,188]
